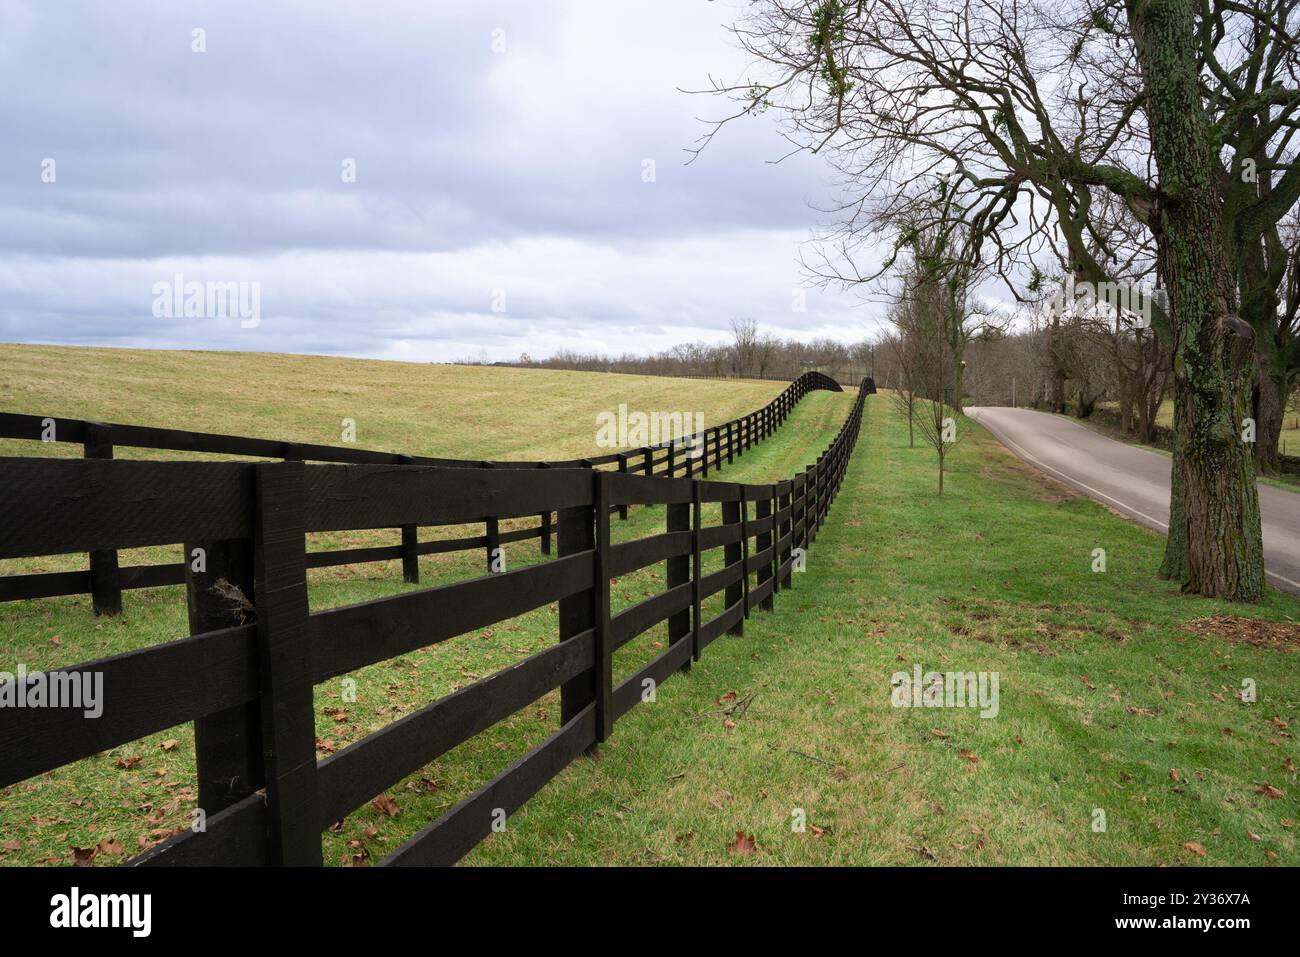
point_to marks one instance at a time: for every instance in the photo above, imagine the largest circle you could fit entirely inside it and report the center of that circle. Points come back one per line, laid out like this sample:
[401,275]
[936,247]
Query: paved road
[1132,480]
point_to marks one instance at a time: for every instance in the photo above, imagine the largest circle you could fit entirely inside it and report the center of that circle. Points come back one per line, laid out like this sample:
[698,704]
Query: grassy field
[118,802]
[1111,698]
[448,411]
[1111,701]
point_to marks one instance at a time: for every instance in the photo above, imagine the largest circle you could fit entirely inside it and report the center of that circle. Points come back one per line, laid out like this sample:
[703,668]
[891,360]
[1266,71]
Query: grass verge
[1112,701]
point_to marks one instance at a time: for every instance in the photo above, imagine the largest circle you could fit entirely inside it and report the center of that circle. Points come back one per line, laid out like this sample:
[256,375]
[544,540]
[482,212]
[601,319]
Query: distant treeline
[750,355]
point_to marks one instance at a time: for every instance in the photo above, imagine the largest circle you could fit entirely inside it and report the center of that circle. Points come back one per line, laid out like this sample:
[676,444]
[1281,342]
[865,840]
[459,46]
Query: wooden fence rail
[104,580]
[246,677]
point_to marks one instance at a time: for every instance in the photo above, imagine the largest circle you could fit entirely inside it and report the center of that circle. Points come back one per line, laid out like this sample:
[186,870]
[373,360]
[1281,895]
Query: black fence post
[622,467]
[576,531]
[677,572]
[546,520]
[814,500]
[805,490]
[731,556]
[219,593]
[604,653]
[105,576]
[410,544]
[696,571]
[491,531]
[763,510]
[784,531]
[744,547]
[284,667]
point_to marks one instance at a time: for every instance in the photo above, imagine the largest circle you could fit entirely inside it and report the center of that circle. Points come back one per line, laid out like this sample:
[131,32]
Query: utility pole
[1013,392]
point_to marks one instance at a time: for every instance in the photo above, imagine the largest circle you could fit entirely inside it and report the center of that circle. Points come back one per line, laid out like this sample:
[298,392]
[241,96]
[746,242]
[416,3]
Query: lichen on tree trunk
[1214,537]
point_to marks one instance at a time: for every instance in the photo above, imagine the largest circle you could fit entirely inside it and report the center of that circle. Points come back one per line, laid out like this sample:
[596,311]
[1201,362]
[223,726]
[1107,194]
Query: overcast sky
[500,202]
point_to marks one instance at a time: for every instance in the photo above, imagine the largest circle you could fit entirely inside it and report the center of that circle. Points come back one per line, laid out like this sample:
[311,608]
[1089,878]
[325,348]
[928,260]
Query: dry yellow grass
[416,408]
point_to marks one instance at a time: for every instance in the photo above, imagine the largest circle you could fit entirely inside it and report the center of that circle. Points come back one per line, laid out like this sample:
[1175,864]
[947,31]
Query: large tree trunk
[1214,474]
[1126,392]
[1058,373]
[1270,409]
[1148,410]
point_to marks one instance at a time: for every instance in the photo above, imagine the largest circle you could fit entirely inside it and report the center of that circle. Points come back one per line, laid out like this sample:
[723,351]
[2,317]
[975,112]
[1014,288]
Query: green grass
[995,576]
[128,803]
[1103,692]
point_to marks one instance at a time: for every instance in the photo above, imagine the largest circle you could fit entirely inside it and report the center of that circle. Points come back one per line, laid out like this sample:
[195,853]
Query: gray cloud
[477,170]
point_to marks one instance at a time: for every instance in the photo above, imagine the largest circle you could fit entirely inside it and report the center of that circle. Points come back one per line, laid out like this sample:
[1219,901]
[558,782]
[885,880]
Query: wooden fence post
[696,571]
[105,576]
[816,502]
[744,548]
[491,531]
[763,509]
[731,555]
[649,460]
[410,543]
[576,532]
[784,530]
[677,572]
[546,520]
[284,666]
[219,593]
[622,467]
[731,441]
[604,653]
[804,502]
[672,465]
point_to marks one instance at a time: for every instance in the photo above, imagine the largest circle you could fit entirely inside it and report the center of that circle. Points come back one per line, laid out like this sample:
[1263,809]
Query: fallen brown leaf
[743,845]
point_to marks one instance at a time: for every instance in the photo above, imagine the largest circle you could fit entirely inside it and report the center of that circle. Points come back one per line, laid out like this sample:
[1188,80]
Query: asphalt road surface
[1132,480]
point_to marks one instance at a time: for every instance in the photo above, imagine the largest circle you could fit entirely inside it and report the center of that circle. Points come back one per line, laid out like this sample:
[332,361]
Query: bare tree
[927,311]
[903,352]
[1020,113]
[745,346]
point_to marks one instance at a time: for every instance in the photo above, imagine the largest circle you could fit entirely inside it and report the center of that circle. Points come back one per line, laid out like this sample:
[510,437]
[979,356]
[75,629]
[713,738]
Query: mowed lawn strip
[1108,704]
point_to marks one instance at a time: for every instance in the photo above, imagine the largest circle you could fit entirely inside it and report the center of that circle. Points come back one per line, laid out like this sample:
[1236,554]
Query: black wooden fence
[104,580]
[248,684]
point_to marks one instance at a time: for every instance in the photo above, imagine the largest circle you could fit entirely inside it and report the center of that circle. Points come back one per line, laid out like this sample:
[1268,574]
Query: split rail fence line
[104,580]
[248,685]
